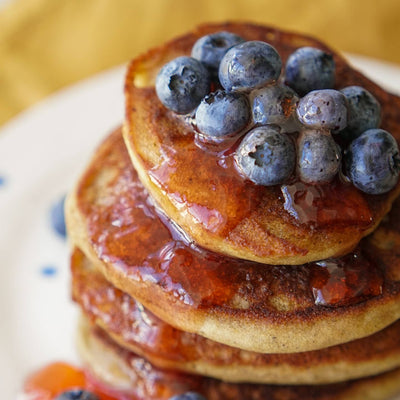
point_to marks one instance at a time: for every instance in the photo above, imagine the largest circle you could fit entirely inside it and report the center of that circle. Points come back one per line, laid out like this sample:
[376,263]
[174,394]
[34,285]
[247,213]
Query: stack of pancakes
[191,278]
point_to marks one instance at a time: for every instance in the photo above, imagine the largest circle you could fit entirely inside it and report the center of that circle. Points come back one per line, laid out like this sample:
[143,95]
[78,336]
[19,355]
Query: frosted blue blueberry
[275,104]
[182,83]
[372,161]
[222,113]
[249,65]
[266,156]
[363,111]
[308,69]
[188,396]
[323,109]
[77,394]
[211,48]
[319,157]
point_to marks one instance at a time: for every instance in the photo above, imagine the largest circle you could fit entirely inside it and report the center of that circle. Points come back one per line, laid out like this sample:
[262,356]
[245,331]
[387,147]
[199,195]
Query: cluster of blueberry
[254,99]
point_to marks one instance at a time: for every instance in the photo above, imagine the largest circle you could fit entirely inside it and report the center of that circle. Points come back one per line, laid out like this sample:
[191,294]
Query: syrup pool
[58,377]
[348,280]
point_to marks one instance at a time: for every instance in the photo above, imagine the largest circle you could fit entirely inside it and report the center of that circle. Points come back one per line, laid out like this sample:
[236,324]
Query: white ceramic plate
[41,154]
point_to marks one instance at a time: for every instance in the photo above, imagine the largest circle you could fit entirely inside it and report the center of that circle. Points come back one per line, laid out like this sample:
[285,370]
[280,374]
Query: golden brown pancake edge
[258,329]
[254,225]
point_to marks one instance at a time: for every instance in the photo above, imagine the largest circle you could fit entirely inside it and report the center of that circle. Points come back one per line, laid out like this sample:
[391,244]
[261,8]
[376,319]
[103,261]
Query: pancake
[266,309]
[134,375]
[133,327]
[198,186]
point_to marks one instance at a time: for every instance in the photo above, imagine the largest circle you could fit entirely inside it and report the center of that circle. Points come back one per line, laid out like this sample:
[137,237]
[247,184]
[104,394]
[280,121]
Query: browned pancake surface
[134,327]
[268,309]
[199,187]
[125,370]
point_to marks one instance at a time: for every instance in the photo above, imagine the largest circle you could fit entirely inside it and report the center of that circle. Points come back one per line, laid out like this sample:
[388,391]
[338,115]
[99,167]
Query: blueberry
[266,156]
[211,48]
[182,83]
[249,65]
[323,109]
[77,395]
[309,69]
[319,156]
[274,104]
[372,161]
[363,111]
[57,217]
[188,396]
[222,113]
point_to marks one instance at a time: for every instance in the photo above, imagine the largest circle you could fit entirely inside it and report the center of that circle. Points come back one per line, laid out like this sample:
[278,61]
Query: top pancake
[267,309]
[200,189]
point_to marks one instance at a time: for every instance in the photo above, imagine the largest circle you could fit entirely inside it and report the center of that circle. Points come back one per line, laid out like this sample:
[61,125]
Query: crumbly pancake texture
[267,309]
[126,371]
[198,186]
[134,327]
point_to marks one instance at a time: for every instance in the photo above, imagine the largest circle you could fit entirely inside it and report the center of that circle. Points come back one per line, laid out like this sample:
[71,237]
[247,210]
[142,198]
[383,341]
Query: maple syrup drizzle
[129,232]
[131,321]
[321,205]
[53,379]
[218,197]
[348,280]
[148,382]
[229,197]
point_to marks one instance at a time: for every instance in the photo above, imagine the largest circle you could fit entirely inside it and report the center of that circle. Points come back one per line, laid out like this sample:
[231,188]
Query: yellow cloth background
[48,44]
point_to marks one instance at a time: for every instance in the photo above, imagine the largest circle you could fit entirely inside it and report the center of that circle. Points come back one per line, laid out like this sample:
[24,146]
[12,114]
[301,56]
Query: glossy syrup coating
[134,327]
[253,306]
[200,188]
[56,378]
